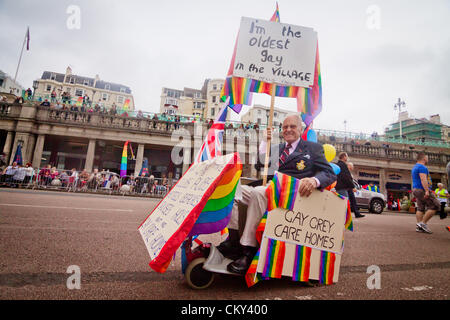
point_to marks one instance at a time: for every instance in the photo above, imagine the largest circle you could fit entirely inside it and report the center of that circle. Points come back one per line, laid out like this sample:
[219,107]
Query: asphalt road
[43,233]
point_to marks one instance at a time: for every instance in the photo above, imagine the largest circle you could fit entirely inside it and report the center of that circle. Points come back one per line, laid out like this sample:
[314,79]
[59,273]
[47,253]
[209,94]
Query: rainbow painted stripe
[123,163]
[301,263]
[326,271]
[273,265]
[282,192]
[217,211]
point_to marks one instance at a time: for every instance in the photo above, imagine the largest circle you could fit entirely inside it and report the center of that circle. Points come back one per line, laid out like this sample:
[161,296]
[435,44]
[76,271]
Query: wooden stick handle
[269,125]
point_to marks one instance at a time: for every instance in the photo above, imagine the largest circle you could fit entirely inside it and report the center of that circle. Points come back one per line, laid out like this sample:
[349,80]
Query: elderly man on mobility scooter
[303,160]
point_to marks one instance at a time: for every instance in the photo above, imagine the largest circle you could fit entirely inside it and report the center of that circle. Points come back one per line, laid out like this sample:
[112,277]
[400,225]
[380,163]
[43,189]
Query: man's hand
[307,185]
[268,134]
[427,194]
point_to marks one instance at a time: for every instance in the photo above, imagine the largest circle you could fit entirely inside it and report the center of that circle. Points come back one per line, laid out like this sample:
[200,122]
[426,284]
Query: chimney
[97,78]
[68,73]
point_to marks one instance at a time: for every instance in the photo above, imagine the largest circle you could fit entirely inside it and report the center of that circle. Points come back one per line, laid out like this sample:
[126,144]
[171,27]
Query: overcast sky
[371,52]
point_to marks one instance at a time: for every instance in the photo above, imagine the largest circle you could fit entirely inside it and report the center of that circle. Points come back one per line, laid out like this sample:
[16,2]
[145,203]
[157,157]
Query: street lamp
[399,105]
[35,86]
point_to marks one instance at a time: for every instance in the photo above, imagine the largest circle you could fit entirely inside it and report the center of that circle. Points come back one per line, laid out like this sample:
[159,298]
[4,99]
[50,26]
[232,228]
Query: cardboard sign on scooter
[172,220]
[317,221]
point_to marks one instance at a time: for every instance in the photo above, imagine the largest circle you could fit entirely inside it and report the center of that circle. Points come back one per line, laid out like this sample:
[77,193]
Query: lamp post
[35,86]
[399,105]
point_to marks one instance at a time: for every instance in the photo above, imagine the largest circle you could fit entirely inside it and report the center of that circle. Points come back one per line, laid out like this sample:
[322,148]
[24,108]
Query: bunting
[326,272]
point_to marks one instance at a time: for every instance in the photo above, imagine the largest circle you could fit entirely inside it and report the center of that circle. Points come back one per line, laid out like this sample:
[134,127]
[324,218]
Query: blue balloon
[311,135]
[335,167]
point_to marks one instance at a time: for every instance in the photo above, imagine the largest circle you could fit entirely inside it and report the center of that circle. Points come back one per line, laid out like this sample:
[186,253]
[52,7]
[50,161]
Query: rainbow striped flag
[348,218]
[273,265]
[309,100]
[282,192]
[123,163]
[126,105]
[301,263]
[217,211]
[276,15]
[79,102]
[261,227]
[326,271]
[251,276]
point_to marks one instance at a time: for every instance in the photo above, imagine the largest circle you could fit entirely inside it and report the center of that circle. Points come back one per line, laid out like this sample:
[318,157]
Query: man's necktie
[284,154]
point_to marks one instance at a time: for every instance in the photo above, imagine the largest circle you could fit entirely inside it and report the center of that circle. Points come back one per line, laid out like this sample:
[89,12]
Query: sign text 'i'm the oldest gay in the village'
[275,53]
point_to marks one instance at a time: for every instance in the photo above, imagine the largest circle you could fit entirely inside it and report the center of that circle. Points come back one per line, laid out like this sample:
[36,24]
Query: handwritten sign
[317,221]
[275,52]
[171,221]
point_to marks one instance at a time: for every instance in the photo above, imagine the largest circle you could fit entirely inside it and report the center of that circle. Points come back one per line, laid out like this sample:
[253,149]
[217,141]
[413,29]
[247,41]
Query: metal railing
[101,182]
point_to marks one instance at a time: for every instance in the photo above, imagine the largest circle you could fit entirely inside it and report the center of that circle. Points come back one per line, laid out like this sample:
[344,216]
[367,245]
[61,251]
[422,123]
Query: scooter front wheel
[196,276]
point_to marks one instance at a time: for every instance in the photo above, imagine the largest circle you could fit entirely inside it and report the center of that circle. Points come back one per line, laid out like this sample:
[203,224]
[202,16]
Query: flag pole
[269,125]
[20,58]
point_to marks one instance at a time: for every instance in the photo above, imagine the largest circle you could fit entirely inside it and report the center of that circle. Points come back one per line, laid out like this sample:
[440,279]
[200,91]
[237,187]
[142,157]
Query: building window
[198,95]
[213,112]
[259,112]
[105,96]
[49,88]
[53,76]
[79,92]
[214,86]
[120,99]
[172,102]
[107,86]
[72,80]
[259,120]
[122,89]
[86,82]
[214,99]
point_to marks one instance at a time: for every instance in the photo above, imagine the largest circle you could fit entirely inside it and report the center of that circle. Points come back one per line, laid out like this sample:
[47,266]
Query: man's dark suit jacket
[306,161]
[344,178]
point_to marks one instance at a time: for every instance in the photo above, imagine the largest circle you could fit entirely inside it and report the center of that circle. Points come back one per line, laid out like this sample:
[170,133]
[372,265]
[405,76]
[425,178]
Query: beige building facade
[259,114]
[203,103]
[100,92]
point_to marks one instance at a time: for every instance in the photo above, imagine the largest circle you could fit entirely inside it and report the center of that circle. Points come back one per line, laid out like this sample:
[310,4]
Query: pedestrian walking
[442,195]
[351,195]
[344,185]
[427,204]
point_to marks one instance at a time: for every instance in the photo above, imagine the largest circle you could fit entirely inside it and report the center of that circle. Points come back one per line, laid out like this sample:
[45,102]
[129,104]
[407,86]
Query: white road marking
[418,288]
[70,208]
[303,297]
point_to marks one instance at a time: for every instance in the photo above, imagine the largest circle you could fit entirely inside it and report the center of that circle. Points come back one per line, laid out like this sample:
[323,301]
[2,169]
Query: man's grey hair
[297,116]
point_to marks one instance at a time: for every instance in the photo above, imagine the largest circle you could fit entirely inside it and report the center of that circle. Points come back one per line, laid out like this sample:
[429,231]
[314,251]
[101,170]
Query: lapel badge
[301,165]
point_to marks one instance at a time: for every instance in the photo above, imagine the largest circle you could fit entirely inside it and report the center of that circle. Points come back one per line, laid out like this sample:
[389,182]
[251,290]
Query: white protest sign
[275,53]
[317,221]
[168,225]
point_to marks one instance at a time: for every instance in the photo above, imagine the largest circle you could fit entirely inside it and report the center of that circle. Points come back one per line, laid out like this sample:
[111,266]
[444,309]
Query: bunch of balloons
[328,149]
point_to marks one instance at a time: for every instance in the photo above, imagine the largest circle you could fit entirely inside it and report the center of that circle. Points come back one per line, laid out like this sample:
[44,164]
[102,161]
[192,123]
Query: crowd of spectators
[16,175]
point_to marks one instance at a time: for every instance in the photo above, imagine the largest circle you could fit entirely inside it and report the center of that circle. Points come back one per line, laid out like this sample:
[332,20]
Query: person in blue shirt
[427,203]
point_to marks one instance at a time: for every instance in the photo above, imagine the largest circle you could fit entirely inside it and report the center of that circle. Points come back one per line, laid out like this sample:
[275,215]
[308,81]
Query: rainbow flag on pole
[123,163]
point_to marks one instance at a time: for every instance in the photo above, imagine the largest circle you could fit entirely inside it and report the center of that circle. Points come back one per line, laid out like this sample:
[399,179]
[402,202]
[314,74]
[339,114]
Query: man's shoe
[419,229]
[241,265]
[359,215]
[231,248]
[423,227]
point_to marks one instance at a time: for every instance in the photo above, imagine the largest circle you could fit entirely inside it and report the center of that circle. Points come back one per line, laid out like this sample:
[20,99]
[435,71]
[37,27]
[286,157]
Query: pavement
[44,234]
